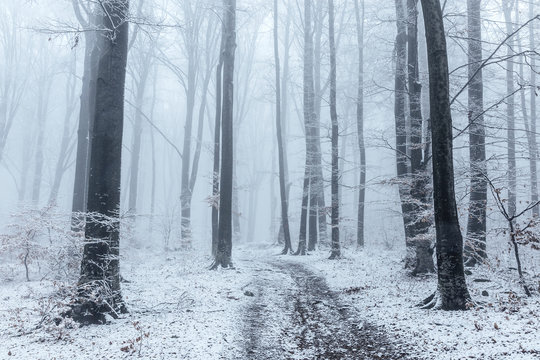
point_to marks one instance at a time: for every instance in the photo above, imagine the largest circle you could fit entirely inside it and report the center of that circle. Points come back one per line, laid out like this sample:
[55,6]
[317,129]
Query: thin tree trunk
[475,244]
[65,144]
[420,239]
[279,131]
[360,124]
[217,146]
[510,109]
[452,292]
[336,251]
[533,148]
[402,160]
[143,73]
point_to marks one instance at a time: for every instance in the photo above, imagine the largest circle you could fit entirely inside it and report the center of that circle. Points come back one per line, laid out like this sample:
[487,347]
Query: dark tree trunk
[224,248]
[86,115]
[452,293]
[475,243]
[402,160]
[100,271]
[360,123]
[419,193]
[336,251]
[279,131]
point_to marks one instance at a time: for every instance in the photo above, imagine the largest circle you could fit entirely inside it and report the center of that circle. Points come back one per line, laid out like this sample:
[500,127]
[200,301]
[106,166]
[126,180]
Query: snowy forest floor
[278,307]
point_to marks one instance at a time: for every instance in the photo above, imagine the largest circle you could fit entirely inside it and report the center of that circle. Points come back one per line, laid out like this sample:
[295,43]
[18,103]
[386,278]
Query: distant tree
[279,131]
[99,282]
[336,250]
[452,292]
[223,255]
[66,144]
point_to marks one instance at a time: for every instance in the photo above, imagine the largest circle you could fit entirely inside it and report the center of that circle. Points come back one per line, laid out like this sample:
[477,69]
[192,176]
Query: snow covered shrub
[43,237]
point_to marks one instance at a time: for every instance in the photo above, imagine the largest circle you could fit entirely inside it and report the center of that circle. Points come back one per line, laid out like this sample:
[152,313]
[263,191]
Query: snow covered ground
[180,310]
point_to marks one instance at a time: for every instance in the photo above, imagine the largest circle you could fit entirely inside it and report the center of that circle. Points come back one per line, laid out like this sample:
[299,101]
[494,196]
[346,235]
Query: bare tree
[360,122]
[336,251]
[475,244]
[279,131]
[100,270]
[452,292]
[224,244]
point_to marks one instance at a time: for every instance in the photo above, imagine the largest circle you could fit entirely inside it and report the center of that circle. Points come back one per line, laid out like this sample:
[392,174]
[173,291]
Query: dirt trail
[294,315]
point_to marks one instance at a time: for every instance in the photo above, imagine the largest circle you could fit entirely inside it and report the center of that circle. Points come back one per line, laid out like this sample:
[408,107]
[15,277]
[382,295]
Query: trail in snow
[294,315]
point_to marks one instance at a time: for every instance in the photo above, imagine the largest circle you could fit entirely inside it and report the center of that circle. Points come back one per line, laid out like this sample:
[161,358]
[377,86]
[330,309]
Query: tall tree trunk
[86,115]
[533,148]
[419,193]
[402,161]
[360,123]
[336,251]
[452,292]
[217,145]
[510,109]
[100,270]
[224,246]
[319,203]
[279,131]
[185,196]
[475,244]
[309,116]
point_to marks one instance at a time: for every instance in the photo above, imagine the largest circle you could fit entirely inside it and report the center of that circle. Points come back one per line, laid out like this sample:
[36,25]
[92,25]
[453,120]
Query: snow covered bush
[43,238]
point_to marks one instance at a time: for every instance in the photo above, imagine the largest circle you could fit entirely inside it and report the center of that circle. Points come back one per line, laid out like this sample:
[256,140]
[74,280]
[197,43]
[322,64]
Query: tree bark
[279,131]
[475,244]
[224,246]
[510,109]
[336,251]
[419,180]
[100,271]
[452,291]
[360,123]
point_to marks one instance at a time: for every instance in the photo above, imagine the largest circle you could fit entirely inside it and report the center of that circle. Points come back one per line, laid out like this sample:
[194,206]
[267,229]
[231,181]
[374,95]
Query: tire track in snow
[294,315]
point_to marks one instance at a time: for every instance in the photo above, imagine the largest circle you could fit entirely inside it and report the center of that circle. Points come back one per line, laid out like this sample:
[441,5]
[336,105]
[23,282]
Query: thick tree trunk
[360,124]
[100,270]
[336,251]
[533,148]
[279,131]
[224,245]
[419,193]
[452,291]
